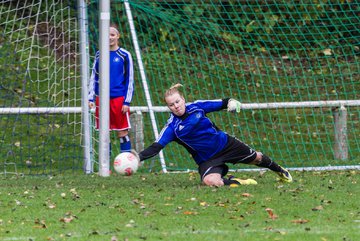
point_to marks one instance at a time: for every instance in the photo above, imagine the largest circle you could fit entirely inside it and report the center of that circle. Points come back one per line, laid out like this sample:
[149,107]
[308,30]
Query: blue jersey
[195,131]
[121,76]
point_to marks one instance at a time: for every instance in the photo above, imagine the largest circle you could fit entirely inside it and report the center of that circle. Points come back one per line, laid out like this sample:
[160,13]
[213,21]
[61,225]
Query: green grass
[316,206]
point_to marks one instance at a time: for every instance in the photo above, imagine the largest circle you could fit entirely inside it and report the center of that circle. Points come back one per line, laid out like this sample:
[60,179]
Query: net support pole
[137,130]
[84,65]
[104,93]
[144,81]
[340,144]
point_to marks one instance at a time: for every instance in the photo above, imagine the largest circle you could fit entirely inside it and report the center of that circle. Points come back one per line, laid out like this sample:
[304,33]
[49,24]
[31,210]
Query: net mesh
[39,68]
[256,52]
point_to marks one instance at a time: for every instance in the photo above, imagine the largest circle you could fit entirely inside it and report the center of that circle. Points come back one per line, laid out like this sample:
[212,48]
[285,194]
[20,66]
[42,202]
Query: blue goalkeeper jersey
[195,131]
[121,76]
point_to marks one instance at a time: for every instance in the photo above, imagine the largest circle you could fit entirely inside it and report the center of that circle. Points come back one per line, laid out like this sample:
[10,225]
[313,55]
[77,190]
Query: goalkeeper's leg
[215,180]
[264,161]
[214,176]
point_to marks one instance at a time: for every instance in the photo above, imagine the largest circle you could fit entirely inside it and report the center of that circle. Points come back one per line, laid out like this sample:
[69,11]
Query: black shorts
[234,152]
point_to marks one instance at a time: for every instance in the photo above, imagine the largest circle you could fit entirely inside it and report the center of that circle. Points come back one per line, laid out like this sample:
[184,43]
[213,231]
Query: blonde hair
[172,90]
[115,27]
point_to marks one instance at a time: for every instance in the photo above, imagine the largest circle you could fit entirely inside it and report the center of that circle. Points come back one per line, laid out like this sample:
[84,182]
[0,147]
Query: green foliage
[282,27]
[317,206]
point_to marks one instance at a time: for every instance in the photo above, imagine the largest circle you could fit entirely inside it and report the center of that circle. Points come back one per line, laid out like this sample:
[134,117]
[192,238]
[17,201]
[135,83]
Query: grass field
[316,206]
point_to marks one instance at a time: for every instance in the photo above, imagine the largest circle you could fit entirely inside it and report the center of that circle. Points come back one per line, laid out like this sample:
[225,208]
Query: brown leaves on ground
[68,217]
[40,223]
[300,221]
[190,213]
[317,208]
[271,213]
[245,194]
[273,216]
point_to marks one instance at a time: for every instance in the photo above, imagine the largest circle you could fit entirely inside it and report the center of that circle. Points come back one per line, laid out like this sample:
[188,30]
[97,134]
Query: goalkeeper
[210,147]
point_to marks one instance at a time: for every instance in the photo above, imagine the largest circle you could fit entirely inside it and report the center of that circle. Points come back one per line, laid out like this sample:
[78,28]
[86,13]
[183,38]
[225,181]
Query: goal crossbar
[244,106]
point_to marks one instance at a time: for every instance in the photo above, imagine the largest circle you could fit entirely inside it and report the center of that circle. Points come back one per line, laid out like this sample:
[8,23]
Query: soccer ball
[126,163]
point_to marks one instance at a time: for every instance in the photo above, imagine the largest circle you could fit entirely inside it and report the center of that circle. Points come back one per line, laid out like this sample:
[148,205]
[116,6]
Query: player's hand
[91,105]
[134,152]
[233,105]
[125,108]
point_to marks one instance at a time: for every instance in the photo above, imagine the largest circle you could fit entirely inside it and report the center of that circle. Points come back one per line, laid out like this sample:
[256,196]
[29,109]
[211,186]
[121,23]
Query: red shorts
[118,120]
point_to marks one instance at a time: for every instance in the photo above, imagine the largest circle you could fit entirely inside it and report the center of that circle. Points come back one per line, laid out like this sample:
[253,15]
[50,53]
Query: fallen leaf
[66,219]
[246,194]
[318,208]
[190,213]
[241,217]
[40,223]
[326,201]
[271,213]
[52,206]
[300,221]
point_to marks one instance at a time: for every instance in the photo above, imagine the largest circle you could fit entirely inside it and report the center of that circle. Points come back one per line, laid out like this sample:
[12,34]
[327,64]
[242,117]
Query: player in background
[210,147]
[121,89]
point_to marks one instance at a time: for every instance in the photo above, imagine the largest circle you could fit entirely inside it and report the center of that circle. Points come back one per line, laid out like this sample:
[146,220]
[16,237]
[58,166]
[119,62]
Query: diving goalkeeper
[210,147]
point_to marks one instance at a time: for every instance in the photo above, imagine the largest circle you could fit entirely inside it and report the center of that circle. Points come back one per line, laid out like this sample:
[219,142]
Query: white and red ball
[126,163]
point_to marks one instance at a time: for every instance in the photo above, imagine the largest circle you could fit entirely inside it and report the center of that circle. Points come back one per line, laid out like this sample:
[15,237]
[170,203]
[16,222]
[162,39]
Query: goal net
[293,65]
[39,70]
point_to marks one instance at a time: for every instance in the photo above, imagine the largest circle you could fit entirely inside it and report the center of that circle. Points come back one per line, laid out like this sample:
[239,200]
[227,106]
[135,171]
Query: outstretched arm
[231,105]
[150,151]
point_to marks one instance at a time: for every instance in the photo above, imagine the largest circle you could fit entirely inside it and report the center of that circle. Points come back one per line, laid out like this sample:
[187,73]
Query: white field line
[302,169]
[282,231]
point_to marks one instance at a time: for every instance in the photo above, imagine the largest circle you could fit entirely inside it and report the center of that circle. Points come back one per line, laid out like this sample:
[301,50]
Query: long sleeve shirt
[194,130]
[121,76]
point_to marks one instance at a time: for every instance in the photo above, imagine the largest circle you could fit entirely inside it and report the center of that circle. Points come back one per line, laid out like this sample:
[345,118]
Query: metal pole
[104,71]
[143,78]
[84,66]
[341,148]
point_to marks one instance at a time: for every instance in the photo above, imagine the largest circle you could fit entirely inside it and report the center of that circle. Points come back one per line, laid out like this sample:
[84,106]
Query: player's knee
[123,133]
[213,179]
[257,159]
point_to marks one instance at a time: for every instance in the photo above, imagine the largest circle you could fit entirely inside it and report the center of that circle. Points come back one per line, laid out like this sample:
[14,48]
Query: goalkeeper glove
[233,105]
[134,152]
